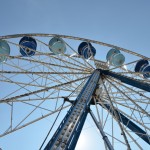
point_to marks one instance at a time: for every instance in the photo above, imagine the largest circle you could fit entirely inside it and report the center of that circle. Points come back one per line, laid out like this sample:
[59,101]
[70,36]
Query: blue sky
[124,23]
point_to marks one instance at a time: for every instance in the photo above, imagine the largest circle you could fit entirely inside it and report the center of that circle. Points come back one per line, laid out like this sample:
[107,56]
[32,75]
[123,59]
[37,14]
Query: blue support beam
[128,123]
[78,130]
[68,132]
[128,80]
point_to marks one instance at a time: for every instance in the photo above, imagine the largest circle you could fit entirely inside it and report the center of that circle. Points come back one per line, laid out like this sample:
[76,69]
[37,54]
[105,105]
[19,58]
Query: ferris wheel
[63,79]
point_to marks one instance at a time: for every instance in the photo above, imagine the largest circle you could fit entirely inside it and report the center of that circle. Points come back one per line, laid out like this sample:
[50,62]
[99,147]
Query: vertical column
[67,134]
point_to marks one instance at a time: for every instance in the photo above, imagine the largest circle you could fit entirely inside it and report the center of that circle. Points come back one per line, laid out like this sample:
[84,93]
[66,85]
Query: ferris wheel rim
[74,38]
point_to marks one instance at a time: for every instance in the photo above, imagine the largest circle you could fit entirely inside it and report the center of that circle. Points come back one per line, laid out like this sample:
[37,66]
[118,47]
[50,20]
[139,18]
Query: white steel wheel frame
[33,90]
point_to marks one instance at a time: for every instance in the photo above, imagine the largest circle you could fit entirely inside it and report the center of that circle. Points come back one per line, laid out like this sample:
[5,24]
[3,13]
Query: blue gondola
[57,45]
[115,58]
[86,50]
[144,67]
[27,46]
[4,51]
